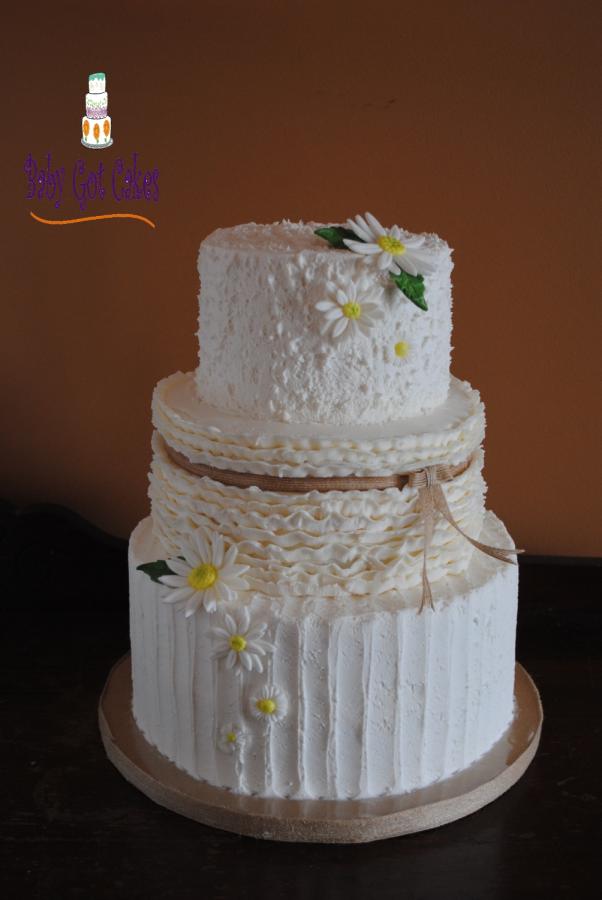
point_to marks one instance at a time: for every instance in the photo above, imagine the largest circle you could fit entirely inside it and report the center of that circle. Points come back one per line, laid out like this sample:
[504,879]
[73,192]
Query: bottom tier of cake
[355,698]
[96,132]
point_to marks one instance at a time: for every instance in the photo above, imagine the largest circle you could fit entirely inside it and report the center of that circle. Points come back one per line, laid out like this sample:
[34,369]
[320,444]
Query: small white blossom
[207,575]
[353,309]
[231,738]
[269,704]
[393,249]
[241,642]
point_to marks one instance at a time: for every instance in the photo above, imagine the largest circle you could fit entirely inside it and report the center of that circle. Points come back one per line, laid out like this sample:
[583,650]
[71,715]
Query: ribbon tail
[504,554]
[426,601]
[428,512]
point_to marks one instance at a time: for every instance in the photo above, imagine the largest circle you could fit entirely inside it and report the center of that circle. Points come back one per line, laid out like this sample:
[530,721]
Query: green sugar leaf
[155,570]
[335,234]
[412,286]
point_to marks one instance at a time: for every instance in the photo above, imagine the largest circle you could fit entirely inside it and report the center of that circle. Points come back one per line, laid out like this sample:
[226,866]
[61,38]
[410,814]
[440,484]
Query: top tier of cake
[97,83]
[292,329]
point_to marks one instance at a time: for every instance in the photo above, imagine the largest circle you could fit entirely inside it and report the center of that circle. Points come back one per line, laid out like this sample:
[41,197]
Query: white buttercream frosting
[206,434]
[262,347]
[351,543]
[369,698]
[312,675]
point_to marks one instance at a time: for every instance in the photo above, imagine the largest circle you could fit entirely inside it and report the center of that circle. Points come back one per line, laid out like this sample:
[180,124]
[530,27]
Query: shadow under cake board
[317,821]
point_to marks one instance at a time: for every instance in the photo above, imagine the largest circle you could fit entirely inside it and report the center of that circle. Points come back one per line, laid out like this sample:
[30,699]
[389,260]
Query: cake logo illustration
[96,124]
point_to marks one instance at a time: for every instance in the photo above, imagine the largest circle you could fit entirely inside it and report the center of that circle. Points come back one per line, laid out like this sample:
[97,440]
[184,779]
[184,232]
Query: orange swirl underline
[92,219]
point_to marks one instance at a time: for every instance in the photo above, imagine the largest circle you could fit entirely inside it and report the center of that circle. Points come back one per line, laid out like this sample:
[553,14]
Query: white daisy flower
[269,704]
[207,574]
[354,308]
[231,738]
[395,249]
[240,642]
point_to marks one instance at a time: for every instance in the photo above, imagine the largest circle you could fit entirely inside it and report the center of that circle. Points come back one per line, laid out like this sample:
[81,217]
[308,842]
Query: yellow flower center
[202,577]
[352,310]
[237,643]
[231,737]
[391,245]
[401,349]
[266,705]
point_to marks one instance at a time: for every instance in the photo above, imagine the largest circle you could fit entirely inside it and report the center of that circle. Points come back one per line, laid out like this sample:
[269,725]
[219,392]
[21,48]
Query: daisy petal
[362,231]
[230,624]
[174,581]
[192,605]
[375,225]
[325,305]
[178,596]
[361,222]
[333,314]
[223,592]
[201,544]
[374,310]
[179,567]
[407,265]
[340,326]
[362,248]
[384,261]
[217,551]
[221,633]
[190,554]
[209,603]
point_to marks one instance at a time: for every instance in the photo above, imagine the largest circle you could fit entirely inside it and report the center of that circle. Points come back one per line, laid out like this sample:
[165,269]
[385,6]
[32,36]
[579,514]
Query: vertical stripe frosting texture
[378,699]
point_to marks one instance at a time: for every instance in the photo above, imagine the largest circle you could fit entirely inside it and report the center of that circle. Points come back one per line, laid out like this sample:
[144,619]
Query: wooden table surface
[72,827]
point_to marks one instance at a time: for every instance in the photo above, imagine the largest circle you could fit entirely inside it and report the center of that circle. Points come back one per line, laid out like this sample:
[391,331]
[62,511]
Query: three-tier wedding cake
[96,124]
[319,604]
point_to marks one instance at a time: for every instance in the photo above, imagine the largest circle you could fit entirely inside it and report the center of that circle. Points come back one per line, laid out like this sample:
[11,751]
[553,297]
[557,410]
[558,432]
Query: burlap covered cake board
[317,821]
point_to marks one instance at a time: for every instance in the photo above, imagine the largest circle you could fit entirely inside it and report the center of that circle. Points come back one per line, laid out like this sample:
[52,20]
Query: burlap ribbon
[433,503]
[431,499]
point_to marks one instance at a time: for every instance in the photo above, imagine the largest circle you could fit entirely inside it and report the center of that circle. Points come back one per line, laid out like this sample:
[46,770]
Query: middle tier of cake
[312,544]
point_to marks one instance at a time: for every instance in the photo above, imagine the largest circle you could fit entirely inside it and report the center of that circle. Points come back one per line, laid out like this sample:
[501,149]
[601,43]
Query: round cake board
[317,821]
[97,146]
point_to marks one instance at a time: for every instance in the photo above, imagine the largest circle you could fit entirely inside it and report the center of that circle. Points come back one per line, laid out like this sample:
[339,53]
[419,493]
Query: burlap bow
[432,503]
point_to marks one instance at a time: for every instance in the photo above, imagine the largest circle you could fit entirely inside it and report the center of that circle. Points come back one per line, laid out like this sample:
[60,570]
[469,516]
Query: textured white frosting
[335,544]
[378,699]
[261,348]
[225,440]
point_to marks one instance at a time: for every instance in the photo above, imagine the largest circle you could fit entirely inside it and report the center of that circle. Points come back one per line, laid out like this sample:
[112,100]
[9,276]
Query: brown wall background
[478,120]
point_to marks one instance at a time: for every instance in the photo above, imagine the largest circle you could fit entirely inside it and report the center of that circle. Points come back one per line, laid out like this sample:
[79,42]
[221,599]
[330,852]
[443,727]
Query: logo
[96,124]
[91,181]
